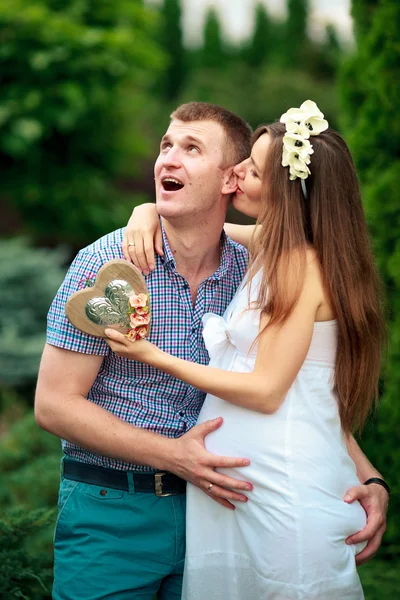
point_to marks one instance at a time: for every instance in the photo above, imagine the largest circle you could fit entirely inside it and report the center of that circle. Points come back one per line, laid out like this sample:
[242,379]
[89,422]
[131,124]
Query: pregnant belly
[311,475]
[333,520]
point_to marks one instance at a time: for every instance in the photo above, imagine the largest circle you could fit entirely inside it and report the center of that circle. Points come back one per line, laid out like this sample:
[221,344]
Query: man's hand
[374,499]
[193,462]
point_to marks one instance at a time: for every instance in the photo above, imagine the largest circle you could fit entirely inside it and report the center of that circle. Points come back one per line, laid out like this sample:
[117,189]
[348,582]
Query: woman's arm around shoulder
[241,234]
[142,237]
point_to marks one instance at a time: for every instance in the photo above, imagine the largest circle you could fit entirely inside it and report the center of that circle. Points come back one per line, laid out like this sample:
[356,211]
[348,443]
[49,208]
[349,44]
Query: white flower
[294,114]
[297,166]
[316,125]
[301,123]
[307,109]
[307,116]
[311,109]
[298,127]
[293,142]
[299,170]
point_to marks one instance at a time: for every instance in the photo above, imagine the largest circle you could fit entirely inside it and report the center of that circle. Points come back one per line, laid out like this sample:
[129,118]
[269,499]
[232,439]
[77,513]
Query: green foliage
[363,12]
[213,55]
[24,443]
[29,467]
[270,89]
[29,279]
[296,32]
[380,579]
[173,76]
[13,406]
[369,90]
[24,574]
[73,79]
[262,42]
[332,50]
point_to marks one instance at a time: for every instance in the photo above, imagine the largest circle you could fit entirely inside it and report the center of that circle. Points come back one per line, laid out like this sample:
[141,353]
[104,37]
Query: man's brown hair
[237,131]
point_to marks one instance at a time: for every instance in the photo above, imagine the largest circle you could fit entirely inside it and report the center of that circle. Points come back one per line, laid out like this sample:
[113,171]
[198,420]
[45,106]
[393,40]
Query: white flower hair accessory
[301,123]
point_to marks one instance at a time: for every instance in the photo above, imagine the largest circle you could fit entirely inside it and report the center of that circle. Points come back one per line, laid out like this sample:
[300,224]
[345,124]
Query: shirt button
[194,329]
[185,286]
[181,413]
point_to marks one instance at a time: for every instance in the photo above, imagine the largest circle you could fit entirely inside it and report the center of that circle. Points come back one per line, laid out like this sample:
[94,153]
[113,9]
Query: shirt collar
[168,258]
[226,254]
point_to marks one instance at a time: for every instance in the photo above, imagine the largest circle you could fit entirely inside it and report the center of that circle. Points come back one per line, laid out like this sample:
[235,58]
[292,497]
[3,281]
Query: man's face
[190,180]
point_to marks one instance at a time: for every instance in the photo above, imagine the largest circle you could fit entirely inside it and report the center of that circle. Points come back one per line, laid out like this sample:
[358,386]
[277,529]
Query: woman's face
[247,198]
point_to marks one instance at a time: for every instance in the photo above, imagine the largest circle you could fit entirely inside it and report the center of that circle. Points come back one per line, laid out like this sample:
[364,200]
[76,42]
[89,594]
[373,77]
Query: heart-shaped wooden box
[108,303]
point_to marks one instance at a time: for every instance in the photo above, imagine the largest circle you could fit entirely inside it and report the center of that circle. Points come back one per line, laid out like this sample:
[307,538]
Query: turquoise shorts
[114,545]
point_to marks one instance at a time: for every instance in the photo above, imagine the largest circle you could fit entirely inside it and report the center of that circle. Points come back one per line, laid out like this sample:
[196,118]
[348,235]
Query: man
[124,424]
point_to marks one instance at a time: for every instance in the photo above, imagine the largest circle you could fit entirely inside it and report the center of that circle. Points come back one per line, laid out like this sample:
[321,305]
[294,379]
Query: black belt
[161,483]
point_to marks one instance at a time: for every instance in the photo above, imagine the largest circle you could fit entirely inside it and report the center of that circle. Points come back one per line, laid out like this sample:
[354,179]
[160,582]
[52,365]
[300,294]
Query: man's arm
[62,408]
[373,498]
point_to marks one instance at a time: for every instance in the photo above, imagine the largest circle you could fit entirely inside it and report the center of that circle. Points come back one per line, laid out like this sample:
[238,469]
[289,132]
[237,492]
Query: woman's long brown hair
[332,222]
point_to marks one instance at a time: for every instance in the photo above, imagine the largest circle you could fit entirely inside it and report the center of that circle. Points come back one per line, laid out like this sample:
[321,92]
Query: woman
[294,367]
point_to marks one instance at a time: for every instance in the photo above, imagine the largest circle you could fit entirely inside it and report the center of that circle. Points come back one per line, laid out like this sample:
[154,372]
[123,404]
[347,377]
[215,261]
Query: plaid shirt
[137,393]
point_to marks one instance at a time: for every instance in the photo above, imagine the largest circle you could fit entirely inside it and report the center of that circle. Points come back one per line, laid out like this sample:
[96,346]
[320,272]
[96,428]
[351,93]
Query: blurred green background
[86,90]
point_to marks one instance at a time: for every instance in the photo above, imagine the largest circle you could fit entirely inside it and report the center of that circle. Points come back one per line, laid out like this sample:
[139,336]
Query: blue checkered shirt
[137,393]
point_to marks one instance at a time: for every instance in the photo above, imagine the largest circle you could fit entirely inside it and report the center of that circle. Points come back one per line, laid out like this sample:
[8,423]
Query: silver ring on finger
[209,488]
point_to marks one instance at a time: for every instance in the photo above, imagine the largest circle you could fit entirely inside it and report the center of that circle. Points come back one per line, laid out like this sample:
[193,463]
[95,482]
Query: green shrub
[29,279]
[24,574]
[29,476]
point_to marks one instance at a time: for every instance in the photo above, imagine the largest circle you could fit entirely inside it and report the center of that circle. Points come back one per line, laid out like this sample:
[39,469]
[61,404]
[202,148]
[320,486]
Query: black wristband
[379,481]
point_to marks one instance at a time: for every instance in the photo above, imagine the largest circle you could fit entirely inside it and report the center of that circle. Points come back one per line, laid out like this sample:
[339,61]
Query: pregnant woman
[294,367]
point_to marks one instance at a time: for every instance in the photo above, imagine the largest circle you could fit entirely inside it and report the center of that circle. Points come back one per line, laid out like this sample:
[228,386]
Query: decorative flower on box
[139,317]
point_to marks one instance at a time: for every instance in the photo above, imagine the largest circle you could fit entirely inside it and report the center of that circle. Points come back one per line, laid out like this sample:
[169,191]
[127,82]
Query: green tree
[296,32]
[74,82]
[371,121]
[332,49]
[173,76]
[363,12]
[262,42]
[323,58]
[213,55]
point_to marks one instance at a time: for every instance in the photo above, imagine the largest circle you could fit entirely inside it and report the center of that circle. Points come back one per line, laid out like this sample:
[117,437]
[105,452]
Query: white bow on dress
[216,334]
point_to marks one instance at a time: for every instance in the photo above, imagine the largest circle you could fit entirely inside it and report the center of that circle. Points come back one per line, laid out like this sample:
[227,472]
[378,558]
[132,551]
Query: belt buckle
[159,485]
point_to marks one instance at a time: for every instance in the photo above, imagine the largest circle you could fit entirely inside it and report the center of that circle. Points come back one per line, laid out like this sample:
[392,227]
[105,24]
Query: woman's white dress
[288,540]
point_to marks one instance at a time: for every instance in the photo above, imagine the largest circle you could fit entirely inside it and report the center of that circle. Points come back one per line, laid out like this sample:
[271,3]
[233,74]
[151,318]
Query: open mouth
[170,184]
